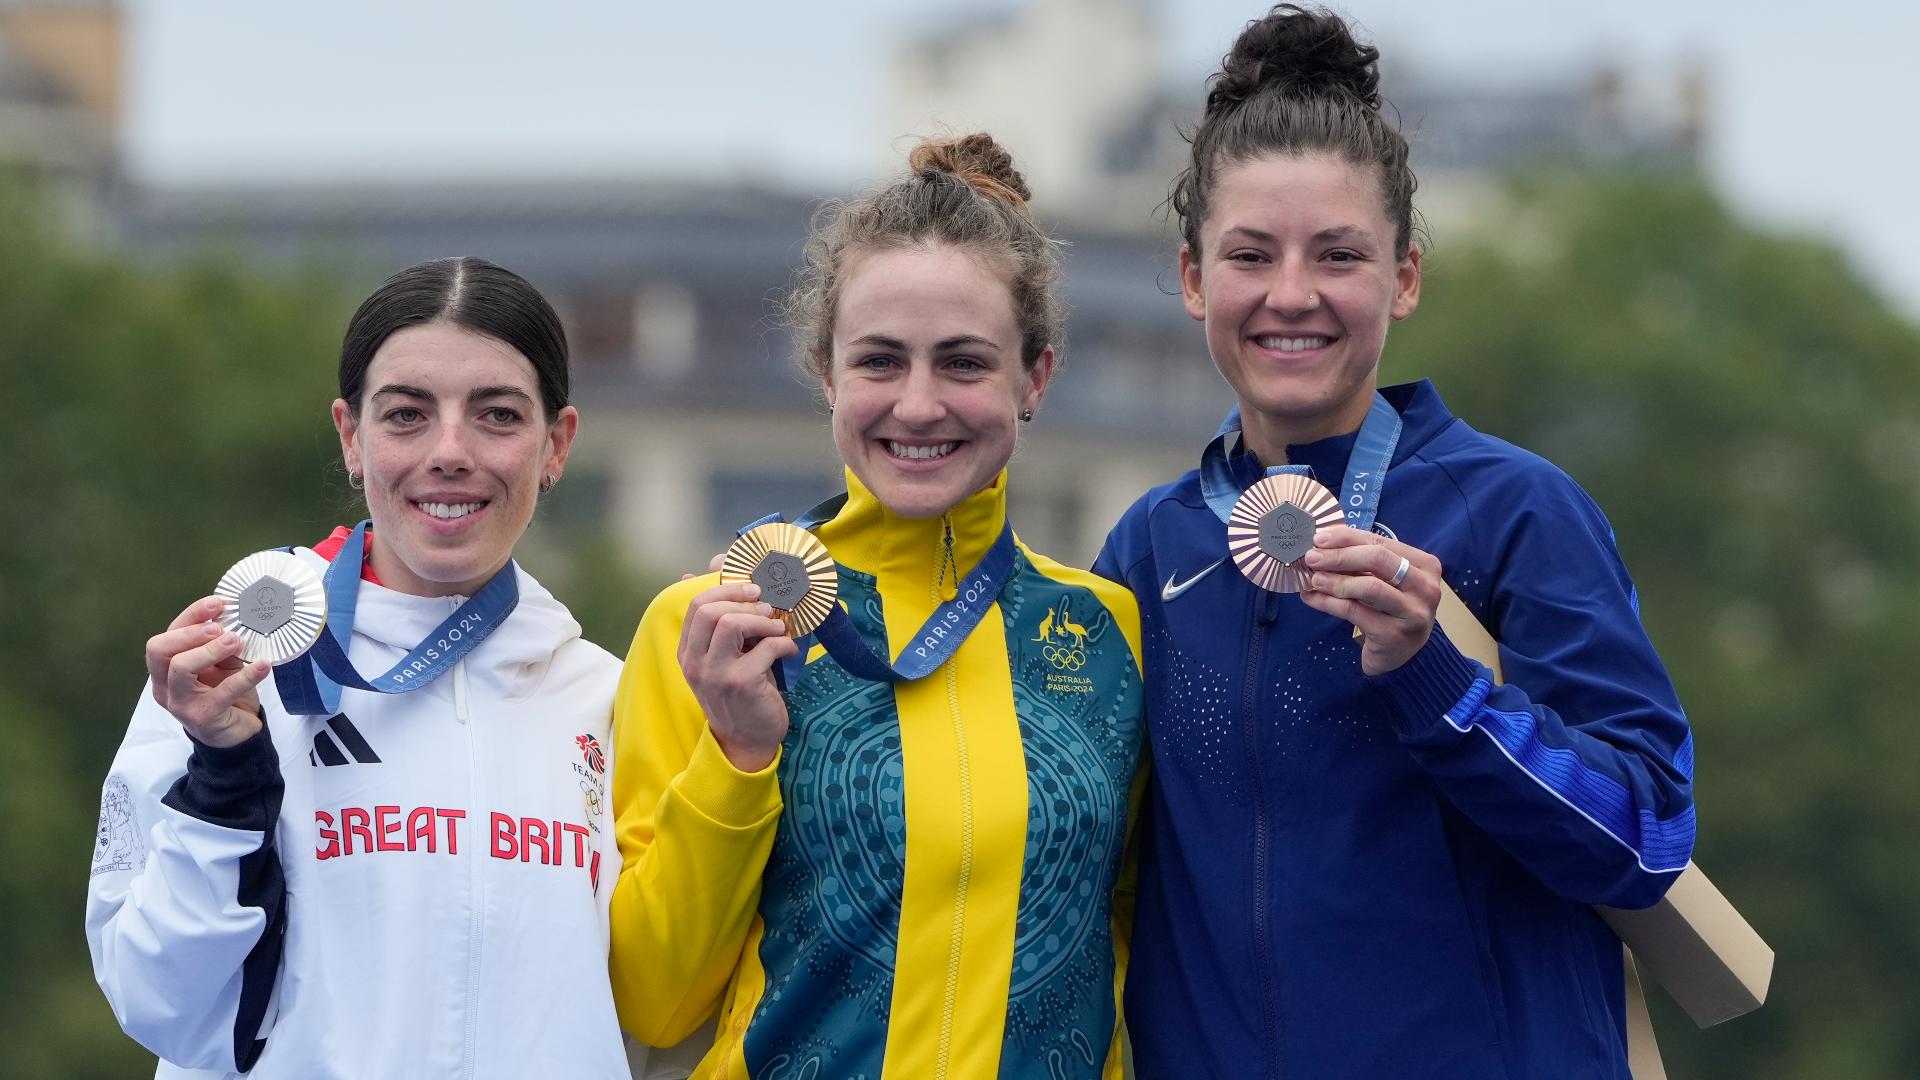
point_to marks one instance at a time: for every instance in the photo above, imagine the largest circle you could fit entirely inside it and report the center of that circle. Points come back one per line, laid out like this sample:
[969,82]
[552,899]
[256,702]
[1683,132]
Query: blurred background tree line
[1744,407]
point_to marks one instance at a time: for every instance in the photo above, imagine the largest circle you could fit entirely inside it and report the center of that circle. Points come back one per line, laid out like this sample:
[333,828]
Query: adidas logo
[352,746]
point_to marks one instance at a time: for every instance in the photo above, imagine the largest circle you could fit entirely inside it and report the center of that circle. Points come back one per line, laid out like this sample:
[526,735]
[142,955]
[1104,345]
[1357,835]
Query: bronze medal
[1273,525]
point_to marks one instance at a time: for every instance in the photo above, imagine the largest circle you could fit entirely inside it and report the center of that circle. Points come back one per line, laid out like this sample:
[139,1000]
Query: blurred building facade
[1080,89]
[696,419]
[61,92]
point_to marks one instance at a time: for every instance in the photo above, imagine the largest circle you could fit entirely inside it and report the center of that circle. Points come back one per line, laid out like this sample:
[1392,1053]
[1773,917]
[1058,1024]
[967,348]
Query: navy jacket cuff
[1435,681]
[236,787]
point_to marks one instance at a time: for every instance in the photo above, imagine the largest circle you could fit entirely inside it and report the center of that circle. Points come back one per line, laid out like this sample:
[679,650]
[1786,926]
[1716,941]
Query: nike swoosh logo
[1171,591]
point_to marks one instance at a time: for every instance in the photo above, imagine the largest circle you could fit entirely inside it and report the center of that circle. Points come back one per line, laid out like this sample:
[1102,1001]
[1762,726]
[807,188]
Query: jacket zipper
[965,875]
[1265,607]
[476,883]
[460,691]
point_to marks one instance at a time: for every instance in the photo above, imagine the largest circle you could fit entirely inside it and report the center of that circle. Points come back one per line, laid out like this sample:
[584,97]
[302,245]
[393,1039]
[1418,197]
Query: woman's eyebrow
[481,393]
[963,341]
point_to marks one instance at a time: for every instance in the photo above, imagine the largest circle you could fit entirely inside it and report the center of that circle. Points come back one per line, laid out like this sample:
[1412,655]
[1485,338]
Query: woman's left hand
[1351,576]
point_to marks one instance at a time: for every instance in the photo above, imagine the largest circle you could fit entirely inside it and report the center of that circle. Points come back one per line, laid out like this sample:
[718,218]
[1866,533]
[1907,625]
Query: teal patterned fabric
[1079,700]
[831,897]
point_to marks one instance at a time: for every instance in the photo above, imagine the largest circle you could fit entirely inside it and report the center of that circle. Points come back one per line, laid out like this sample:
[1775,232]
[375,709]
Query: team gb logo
[590,749]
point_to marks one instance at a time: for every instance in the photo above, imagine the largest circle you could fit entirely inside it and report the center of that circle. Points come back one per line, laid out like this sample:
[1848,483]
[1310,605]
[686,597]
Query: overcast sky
[1814,106]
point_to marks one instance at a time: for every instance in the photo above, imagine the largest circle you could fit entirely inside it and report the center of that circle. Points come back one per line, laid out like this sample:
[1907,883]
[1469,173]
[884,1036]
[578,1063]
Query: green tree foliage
[161,423]
[1748,413]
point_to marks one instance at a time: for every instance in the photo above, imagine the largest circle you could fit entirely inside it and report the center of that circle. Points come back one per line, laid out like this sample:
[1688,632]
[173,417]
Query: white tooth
[1293,344]
[919,453]
[449,511]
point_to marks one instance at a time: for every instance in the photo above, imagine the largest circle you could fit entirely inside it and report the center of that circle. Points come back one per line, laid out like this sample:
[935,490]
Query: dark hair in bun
[964,192]
[1295,82]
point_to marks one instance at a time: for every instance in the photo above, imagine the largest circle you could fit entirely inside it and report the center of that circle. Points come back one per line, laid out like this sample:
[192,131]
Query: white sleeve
[186,904]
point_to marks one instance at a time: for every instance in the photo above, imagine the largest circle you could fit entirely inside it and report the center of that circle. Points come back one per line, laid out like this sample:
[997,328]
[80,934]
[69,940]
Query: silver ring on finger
[1400,572]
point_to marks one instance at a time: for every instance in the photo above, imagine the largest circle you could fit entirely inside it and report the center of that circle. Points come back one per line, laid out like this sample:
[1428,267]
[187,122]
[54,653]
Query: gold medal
[795,573]
[1273,525]
[275,603]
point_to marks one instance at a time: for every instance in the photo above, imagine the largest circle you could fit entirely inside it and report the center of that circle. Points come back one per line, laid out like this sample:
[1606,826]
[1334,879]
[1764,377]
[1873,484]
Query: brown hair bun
[964,192]
[984,164]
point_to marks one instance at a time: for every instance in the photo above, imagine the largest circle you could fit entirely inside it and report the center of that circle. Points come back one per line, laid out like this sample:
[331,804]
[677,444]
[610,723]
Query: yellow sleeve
[694,837]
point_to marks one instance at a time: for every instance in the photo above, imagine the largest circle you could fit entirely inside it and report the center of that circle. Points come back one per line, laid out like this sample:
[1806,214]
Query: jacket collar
[522,645]
[868,538]
[1422,416]
[1422,412]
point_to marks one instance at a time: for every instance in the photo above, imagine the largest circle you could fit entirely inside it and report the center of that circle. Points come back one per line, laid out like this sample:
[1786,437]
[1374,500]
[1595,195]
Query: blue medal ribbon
[310,684]
[1359,493]
[933,644]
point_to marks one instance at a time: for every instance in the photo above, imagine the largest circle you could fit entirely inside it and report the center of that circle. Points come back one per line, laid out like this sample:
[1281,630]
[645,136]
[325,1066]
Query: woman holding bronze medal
[1362,855]
[341,873]
[890,847]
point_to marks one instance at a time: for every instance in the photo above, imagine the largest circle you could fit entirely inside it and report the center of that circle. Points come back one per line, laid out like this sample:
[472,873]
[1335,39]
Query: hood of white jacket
[513,658]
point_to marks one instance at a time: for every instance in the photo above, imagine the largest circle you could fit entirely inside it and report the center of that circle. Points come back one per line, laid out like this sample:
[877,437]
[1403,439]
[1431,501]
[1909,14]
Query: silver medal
[276,603]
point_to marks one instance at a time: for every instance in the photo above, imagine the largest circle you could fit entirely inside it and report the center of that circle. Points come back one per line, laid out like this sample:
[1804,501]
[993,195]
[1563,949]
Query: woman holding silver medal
[335,873]
[1363,856]
[891,847]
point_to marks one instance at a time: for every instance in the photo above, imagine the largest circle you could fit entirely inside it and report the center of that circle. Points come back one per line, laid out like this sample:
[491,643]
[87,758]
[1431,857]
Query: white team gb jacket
[416,886]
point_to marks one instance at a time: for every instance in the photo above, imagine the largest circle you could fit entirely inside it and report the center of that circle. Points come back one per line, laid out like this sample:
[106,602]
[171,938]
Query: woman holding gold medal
[1361,857]
[891,847]
[335,873]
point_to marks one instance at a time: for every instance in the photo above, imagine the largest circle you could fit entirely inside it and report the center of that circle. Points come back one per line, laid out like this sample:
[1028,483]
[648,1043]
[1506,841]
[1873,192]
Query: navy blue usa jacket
[1347,878]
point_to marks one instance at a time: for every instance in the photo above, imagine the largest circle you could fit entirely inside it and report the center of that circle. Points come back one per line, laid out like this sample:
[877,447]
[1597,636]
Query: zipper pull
[947,564]
[1269,607]
[459,671]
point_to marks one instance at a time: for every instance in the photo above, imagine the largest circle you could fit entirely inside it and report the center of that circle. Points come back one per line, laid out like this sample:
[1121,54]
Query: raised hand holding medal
[197,675]
[1352,575]
[777,582]
[727,624]
[1389,590]
[266,610]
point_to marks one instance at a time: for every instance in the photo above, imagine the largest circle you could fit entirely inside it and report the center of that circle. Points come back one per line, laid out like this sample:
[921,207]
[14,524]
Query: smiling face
[925,379]
[1297,281]
[453,442]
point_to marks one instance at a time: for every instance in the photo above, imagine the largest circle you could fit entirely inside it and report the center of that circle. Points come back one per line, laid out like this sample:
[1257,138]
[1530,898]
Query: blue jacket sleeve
[1124,547]
[1107,564]
[1581,765]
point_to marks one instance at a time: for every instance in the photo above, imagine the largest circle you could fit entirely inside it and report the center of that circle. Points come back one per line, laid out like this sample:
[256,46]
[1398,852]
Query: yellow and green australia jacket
[924,883]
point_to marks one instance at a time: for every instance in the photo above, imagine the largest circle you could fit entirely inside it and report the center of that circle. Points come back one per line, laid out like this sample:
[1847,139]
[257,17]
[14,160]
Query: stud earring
[1026,416]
